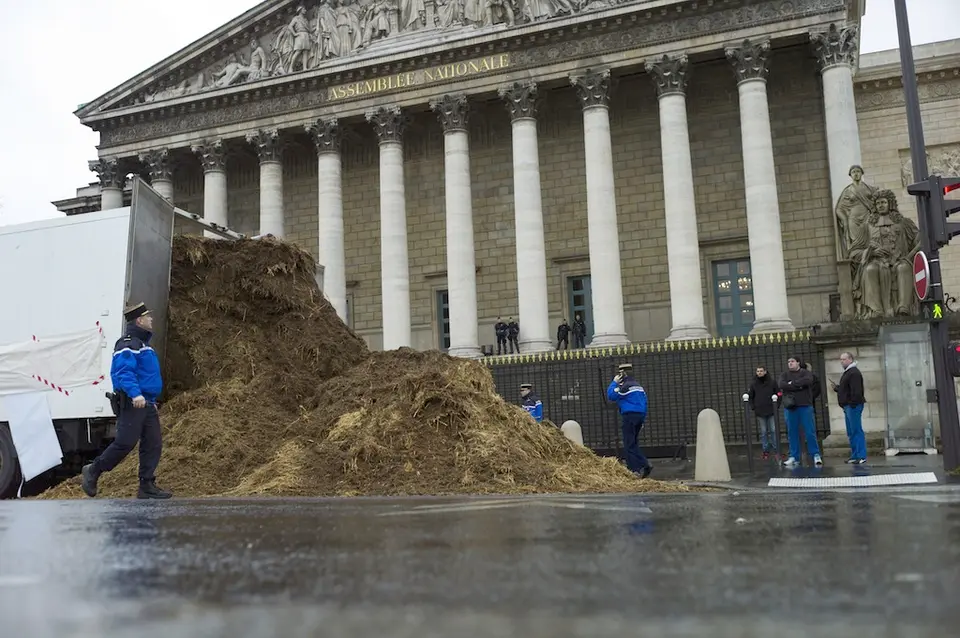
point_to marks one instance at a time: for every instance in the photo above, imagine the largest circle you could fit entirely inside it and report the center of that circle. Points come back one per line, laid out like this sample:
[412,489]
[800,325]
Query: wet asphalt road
[838,564]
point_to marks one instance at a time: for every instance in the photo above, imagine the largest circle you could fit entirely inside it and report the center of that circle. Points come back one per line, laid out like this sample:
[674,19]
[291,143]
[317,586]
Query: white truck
[67,274]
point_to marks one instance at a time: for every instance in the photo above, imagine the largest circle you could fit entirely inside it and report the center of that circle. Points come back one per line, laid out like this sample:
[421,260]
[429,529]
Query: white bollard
[711,463]
[572,430]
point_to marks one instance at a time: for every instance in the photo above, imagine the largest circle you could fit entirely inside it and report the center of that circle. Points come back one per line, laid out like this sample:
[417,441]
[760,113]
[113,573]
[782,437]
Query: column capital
[521,99]
[593,87]
[836,46]
[750,60]
[453,112]
[325,134]
[669,74]
[212,154]
[159,164]
[388,123]
[109,171]
[268,144]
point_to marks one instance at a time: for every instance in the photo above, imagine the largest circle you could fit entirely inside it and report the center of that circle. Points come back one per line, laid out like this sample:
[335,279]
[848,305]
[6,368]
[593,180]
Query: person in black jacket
[851,398]
[579,332]
[500,329]
[761,395]
[563,335]
[513,331]
[796,383]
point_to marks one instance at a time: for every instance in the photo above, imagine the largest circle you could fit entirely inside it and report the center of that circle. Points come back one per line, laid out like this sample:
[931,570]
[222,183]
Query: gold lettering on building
[409,79]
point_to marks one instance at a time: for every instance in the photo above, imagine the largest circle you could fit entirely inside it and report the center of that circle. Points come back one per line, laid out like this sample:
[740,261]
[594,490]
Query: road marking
[930,498]
[564,503]
[909,478]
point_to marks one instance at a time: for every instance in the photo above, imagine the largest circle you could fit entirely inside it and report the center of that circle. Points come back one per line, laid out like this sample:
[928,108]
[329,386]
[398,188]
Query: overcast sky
[62,53]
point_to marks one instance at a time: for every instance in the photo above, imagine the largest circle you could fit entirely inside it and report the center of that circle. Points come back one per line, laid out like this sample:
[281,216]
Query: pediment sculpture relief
[878,243]
[335,29]
[941,160]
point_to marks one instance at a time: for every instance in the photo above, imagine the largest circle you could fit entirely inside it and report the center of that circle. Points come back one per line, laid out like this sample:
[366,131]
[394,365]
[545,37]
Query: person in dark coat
[762,397]
[796,383]
[563,335]
[500,329]
[531,402]
[513,332]
[850,396]
[579,332]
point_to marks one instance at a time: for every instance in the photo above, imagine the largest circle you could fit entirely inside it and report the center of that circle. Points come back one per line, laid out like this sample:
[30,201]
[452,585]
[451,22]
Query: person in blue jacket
[135,373]
[632,402]
[531,402]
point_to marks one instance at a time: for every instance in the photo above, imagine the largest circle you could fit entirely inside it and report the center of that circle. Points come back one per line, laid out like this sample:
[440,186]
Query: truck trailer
[70,274]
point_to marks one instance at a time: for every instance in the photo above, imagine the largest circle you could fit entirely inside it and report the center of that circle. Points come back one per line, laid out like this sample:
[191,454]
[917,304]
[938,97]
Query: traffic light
[953,358]
[939,229]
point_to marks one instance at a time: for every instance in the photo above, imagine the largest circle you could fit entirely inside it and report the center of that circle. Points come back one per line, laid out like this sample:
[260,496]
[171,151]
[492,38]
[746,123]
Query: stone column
[388,123]
[160,166]
[112,180]
[593,90]
[213,158]
[680,207]
[331,253]
[453,111]
[521,101]
[836,50]
[269,149]
[763,208]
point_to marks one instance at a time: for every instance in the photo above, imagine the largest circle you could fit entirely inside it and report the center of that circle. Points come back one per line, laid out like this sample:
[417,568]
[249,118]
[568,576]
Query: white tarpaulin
[38,448]
[57,363]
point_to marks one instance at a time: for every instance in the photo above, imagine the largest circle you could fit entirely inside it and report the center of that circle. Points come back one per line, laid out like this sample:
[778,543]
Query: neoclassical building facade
[665,169]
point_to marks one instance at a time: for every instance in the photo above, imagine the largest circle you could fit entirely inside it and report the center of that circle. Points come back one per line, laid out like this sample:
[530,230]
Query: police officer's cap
[135,312]
[623,367]
[526,386]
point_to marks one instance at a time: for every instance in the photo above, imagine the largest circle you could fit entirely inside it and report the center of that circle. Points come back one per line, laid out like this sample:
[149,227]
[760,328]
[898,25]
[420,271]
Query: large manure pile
[269,393]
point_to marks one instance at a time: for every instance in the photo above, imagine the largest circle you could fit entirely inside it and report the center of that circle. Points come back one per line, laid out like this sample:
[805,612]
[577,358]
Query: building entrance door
[580,300]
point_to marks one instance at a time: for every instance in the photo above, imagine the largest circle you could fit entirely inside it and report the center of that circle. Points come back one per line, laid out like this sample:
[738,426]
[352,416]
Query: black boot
[149,490]
[89,476]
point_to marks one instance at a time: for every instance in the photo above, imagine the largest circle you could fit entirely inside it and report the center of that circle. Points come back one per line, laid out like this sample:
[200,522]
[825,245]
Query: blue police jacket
[629,395]
[531,403]
[135,369]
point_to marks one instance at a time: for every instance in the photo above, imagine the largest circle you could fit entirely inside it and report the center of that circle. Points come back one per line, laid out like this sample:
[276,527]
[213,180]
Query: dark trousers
[632,425]
[578,341]
[135,425]
[514,344]
[563,343]
[501,343]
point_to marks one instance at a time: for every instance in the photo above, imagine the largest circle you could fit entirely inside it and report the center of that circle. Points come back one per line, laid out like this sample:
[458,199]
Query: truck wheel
[9,470]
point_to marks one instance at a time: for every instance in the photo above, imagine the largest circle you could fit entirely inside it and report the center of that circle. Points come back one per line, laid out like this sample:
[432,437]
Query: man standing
[797,384]
[851,398]
[531,402]
[579,332]
[500,329]
[563,335]
[761,395]
[135,373]
[632,401]
[513,332]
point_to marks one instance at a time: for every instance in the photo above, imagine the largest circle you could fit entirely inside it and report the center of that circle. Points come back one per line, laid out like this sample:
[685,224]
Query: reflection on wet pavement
[771,564]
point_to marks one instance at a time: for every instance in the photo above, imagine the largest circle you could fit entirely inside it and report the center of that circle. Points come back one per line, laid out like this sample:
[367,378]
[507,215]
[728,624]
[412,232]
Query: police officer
[135,373]
[632,401]
[563,335]
[579,332]
[513,331]
[531,402]
[500,329]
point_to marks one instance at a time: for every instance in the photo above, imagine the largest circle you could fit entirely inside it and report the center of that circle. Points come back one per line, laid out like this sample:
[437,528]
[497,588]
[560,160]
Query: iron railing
[681,378]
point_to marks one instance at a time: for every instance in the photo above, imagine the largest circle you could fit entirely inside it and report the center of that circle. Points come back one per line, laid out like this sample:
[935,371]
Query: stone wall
[803,184]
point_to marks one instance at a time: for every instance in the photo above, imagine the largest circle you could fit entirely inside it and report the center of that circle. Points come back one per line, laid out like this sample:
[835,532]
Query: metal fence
[681,378]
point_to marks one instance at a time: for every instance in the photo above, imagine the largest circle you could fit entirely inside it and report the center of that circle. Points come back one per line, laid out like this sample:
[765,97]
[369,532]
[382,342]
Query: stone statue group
[337,28]
[878,243]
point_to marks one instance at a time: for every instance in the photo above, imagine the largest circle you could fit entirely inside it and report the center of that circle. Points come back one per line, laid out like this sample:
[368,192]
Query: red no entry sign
[921,275]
